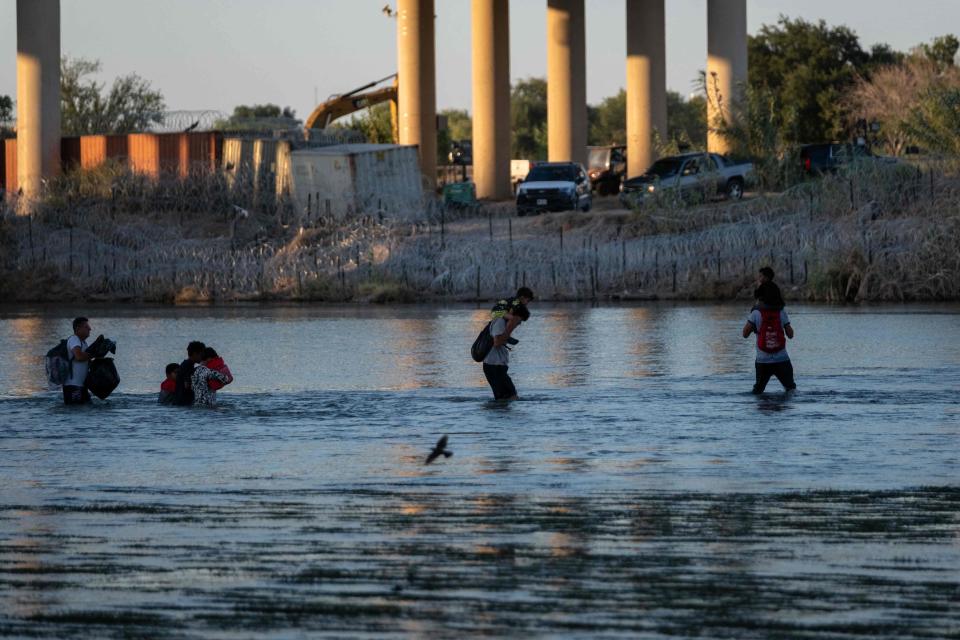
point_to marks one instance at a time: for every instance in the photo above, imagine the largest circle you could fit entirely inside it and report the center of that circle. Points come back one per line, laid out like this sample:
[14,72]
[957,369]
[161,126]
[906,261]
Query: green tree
[86,108]
[528,116]
[6,116]
[686,121]
[259,117]
[241,112]
[934,122]
[806,68]
[608,120]
[374,123]
[942,51]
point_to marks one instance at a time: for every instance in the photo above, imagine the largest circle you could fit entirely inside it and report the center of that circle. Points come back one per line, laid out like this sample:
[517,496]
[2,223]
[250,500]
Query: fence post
[490,220]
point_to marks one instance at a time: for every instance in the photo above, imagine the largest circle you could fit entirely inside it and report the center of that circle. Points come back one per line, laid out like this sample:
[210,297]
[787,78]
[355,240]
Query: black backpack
[58,364]
[482,345]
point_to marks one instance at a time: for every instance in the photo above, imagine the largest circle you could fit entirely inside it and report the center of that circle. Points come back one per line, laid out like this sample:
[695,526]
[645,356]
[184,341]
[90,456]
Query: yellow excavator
[344,104]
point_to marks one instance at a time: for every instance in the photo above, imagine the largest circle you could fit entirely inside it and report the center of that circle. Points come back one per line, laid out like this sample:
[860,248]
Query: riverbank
[878,234]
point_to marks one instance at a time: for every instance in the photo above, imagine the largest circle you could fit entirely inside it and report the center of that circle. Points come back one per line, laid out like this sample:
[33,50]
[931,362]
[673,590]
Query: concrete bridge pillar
[726,63]
[417,91]
[491,98]
[566,81]
[38,93]
[646,82]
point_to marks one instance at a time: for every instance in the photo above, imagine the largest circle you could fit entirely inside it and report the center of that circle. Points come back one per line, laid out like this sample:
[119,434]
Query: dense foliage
[86,107]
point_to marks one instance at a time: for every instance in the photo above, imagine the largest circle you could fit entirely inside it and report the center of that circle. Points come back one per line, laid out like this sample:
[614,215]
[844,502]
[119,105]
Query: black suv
[827,157]
[554,186]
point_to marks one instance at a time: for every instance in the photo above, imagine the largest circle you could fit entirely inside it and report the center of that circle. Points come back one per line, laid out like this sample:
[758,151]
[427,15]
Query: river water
[637,489]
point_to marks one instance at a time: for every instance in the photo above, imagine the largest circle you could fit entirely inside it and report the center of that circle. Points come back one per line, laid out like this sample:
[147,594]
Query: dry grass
[873,233]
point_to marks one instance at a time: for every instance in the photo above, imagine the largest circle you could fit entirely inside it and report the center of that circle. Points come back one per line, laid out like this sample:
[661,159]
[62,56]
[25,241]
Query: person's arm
[748,329]
[80,355]
[788,329]
[511,325]
[218,376]
[500,339]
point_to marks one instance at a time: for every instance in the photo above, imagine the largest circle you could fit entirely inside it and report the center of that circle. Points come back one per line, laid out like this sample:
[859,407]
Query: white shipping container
[352,179]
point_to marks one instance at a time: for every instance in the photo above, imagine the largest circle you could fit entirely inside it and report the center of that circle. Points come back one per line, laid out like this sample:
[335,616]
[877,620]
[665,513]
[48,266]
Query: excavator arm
[343,105]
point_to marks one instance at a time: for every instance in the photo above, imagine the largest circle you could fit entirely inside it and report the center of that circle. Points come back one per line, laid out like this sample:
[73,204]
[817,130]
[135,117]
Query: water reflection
[607,503]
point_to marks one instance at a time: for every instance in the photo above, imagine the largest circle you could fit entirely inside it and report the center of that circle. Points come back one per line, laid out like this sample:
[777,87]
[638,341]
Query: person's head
[769,295]
[81,328]
[195,351]
[524,295]
[521,312]
[172,371]
[209,354]
[766,274]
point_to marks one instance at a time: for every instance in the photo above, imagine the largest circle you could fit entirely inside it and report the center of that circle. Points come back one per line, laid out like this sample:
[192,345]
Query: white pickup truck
[692,176]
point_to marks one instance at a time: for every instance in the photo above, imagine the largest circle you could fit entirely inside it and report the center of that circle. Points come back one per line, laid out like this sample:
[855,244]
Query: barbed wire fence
[872,234]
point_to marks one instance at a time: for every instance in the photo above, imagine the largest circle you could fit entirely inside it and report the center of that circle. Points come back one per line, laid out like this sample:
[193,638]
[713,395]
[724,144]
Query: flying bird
[192,127]
[439,450]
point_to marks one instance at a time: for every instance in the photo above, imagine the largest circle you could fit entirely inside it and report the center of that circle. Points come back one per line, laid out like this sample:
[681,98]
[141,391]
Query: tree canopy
[528,117]
[86,108]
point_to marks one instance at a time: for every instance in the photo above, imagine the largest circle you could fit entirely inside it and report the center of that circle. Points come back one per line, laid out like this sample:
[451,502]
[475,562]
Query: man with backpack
[74,387]
[772,326]
[496,363]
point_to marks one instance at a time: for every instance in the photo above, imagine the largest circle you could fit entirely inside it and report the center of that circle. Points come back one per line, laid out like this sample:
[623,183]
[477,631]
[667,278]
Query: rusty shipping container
[10,183]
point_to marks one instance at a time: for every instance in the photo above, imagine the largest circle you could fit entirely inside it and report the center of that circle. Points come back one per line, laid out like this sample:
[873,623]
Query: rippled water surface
[637,490]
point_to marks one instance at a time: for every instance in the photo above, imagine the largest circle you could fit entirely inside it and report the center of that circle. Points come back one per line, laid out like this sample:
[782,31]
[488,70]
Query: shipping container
[174,154]
[10,182]
[352,179]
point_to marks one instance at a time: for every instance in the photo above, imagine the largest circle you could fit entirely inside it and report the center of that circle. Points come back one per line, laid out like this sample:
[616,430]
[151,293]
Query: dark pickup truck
[828,157]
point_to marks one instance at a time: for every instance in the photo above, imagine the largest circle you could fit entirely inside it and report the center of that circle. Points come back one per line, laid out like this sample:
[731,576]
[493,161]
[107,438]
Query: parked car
[554,186]
[828,157]
[690,176]
[606,167]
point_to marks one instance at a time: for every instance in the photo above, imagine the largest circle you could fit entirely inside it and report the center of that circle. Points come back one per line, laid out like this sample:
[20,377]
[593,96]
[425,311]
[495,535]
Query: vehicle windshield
[546,173]
[598,158]
[664,168]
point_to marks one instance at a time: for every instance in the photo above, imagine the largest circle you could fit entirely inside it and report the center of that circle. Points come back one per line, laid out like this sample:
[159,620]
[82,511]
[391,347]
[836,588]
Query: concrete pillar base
[38,93]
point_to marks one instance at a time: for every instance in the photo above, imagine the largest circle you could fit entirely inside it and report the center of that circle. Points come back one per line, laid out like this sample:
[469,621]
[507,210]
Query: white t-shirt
[498,355]
[78,372]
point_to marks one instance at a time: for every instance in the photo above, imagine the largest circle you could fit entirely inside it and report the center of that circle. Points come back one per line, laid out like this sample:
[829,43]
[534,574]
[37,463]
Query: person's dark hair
[195,347]
[525,292]
[767,273]
[173,366]
[78,322]
[521,312]
[769,294]
[210,352]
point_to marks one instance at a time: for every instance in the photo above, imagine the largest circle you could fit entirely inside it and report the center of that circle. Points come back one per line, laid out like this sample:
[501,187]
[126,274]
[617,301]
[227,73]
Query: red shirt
[168,385]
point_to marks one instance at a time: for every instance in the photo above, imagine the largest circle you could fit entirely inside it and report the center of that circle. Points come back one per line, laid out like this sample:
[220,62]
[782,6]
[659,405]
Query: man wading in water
[772,326]
[74,389]
[495,365]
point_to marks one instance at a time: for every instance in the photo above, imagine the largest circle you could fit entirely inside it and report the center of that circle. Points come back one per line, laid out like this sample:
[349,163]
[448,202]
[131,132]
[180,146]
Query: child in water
[169,386]
[215,362]
[203,375]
